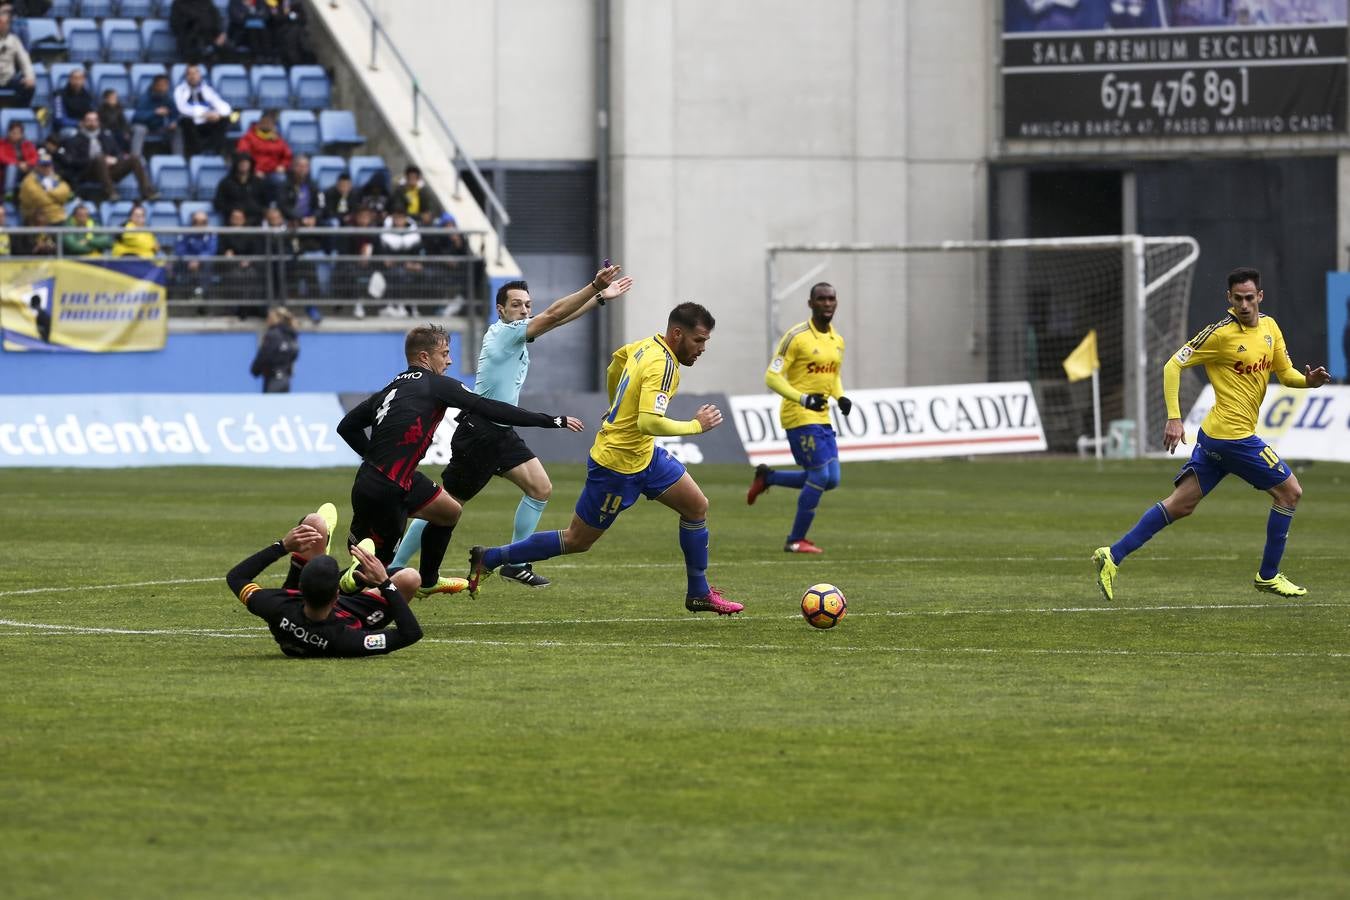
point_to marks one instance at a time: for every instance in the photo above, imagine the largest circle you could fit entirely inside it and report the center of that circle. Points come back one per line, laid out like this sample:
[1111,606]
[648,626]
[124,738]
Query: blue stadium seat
[64,9]
[231,82]
[161,214]
[246,119]
[337,127]
[137,9]
[271,88]
[32,130]
[114,214]
[157,41]
[61,73]
[325,170]
[363,167]
[206,173]
[84,43]
[188,207]
[42,89]
[121,40]
[103,76]
[171,177]
[44,36]
[310,87]
[97,9]
[144,73]
[301,130]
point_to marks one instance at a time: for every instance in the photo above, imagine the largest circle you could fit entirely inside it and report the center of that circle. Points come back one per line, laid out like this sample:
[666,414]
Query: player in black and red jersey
[402,419]
[308,616]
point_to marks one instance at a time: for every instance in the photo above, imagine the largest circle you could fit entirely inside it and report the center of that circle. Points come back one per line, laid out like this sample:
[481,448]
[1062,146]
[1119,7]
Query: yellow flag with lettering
[1082,362]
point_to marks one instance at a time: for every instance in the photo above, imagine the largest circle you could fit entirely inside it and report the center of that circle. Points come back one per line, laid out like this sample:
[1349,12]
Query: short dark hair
[817,286]
[1244,273]
[412,170]
[691,315]
[423,337]
[344,175]
[319,580]
[510,286]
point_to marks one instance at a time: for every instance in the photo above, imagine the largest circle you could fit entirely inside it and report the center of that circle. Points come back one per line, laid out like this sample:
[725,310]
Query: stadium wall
[216,363]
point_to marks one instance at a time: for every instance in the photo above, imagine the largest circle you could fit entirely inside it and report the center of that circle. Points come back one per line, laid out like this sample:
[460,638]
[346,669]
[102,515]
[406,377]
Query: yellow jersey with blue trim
[650,376]
[1239,362]
[810,360]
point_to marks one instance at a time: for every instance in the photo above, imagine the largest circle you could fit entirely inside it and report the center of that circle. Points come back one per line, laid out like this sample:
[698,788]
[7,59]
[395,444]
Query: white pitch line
[107,587]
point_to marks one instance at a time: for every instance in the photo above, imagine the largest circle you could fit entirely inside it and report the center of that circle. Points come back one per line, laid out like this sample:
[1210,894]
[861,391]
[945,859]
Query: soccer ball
[823,605]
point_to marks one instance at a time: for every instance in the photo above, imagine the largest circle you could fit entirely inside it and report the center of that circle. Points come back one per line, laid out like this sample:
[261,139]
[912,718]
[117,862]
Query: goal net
[979,311]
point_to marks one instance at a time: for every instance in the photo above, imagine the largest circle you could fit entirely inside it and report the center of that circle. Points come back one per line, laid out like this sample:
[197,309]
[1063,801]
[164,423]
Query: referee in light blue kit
[480,448]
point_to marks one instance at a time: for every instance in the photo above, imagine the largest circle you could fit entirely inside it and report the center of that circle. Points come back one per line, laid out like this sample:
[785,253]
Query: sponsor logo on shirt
[660,402]
[1184,354]
[375,642]
[1252,368]
[776,365]
[821,368]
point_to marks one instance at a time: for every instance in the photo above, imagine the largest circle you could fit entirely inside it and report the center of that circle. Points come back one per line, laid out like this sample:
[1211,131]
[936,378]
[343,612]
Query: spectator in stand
[88,243]
[192,268]
[113,117]
[247,29]
[43,243]
[375,194]
[402,277]
[300,203]
[338,203]
[287,25]
[97,155]
[4,235]
[17,153]
[275,360]
[136,239]
[71,103]
[203,114]
[271,154]
[442,238]
[241,189]
[280,242]
[357,249]
[418,199]
[43,189]
[199,29]
[239,275]
[16,68]
[155,120]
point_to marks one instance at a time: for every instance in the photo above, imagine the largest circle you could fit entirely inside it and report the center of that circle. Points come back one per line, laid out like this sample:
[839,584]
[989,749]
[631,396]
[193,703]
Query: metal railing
[496,212]
[320,267]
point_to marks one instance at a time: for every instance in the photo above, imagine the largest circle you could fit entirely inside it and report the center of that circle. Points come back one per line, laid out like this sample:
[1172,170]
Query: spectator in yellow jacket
[43,189]
[136,239]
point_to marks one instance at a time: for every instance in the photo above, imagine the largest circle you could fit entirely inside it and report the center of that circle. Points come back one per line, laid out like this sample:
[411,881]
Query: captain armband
[247,591]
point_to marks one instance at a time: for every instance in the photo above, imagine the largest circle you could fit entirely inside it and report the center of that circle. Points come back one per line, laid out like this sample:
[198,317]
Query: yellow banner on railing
[94,306]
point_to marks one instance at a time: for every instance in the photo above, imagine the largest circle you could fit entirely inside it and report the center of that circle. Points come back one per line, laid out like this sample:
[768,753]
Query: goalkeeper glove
[845,405]
[813,402]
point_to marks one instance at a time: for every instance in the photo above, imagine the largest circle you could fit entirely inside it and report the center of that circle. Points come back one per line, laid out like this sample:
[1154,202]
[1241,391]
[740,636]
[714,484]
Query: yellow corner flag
[1082,362]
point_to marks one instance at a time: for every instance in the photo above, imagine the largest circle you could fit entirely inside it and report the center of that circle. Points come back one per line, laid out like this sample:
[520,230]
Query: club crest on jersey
[660,402]
[375,642]
[1270,342]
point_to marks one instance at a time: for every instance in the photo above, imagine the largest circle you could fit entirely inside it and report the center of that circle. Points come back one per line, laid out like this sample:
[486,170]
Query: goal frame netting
[1145,348]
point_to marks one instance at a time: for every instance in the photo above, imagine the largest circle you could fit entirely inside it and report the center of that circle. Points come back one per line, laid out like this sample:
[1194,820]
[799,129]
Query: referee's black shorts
[479,450]
[380,508]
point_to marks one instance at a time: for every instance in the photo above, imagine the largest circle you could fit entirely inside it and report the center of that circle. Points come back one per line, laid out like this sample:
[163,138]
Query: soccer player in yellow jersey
[805,373]
[626,462]
[1238,352]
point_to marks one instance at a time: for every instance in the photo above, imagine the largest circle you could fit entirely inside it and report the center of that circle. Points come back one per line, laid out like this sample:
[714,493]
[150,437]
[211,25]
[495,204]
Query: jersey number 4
[384,407]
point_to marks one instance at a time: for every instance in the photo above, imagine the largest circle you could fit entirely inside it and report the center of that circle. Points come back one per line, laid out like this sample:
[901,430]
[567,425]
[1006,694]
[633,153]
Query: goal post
[984,311]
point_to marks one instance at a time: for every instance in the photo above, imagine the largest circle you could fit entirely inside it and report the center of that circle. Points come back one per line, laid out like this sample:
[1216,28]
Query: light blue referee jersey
[503,362]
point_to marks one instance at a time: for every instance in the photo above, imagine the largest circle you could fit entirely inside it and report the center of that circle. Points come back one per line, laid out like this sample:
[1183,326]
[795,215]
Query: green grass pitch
[981,724]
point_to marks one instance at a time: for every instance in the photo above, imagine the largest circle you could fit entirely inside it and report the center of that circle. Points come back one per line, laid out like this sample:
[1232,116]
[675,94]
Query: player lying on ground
[308,616]
[1238,352]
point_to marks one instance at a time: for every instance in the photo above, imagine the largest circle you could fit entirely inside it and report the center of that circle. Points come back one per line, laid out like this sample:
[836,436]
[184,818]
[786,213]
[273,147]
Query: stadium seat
[171,177]
[157,41]
[44,37]
[325,170]
[231,82]
[113,214]
[188,207]
[301,130]
[42,89]
[121,41]
[337,128]
[103,76]
[32,130]
[206,173]
[310,87]
[246,119]
[84,43]
[64,9]
[162,214]
[61,74]
[363,167]
[97,9]
[271,89]
[137,9]
[144,73]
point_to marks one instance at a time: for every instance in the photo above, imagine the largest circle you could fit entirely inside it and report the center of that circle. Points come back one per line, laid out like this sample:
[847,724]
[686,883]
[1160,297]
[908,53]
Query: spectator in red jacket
[16,153]
[271,154]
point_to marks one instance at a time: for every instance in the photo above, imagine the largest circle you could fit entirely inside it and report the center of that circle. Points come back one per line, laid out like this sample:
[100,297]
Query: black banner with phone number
[1173,83]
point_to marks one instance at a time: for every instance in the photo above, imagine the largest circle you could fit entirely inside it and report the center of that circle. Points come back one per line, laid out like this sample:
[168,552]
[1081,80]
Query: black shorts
[380,508]
[479,450]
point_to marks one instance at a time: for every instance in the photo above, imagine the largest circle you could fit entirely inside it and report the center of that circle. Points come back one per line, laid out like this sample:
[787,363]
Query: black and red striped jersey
[403,417]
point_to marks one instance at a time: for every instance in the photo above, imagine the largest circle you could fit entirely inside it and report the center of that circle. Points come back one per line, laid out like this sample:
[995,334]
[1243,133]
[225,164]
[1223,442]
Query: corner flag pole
[1097,412]
[1083,363]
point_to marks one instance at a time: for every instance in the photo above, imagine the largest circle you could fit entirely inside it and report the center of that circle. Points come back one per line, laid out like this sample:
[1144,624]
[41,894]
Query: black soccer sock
[435,541]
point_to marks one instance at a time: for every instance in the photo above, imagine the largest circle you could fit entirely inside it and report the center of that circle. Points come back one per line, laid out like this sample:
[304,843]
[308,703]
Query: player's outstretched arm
[578,303]
[452,393]
[301,537]
[707,418]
